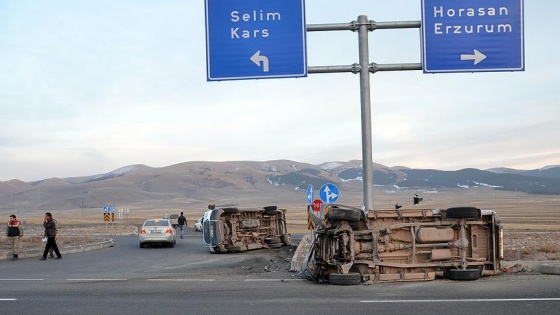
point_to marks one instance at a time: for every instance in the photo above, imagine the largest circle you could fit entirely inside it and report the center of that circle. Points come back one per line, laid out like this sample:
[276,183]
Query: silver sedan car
[157,231]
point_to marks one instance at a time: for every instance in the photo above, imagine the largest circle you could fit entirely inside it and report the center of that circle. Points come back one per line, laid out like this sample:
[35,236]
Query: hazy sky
[90,86]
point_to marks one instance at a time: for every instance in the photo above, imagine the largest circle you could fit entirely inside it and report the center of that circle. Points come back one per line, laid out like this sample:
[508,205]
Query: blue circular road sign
[329,193]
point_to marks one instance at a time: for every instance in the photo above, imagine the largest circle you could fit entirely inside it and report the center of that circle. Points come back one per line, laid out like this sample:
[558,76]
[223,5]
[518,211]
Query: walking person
[50,234]
[51,251]
[14,233]
[182,223]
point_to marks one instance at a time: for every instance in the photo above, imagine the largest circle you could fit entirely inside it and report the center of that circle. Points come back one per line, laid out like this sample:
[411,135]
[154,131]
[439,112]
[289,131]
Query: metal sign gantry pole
[363,26]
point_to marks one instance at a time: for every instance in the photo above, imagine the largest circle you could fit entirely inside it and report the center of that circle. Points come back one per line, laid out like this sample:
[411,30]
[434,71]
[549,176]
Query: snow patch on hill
[269,168]
[351,179]
[116,173]
[329,166]
[487,185]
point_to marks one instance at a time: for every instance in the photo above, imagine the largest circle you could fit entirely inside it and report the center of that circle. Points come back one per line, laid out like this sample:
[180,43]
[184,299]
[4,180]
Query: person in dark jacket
[14,233]
[50,234]
[51,251]
[182,223]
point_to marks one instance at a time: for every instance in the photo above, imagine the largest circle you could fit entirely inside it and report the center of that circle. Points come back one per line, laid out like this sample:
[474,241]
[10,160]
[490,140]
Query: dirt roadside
[70,239]
[531,246]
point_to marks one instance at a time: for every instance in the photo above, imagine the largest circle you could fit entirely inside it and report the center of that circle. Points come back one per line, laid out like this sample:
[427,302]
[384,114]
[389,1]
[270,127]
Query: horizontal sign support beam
[373,67]
[355,68]
[395,67]
[354,25]
[395,25]
[332,27]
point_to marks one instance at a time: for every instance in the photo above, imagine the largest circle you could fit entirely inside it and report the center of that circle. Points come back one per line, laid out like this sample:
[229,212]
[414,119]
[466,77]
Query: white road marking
[265,280]
[97,279]
[22,279]
[461,300]
[183,280]
[8,299]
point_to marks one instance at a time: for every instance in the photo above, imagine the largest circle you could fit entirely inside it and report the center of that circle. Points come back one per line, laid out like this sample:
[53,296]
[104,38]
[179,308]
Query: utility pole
[364,68]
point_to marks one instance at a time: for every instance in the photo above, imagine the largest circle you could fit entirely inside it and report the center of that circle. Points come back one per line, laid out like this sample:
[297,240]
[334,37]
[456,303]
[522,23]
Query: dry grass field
[531,222]
[518,211]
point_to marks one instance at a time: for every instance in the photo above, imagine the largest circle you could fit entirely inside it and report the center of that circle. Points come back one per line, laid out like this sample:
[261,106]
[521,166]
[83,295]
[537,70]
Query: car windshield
[156,223]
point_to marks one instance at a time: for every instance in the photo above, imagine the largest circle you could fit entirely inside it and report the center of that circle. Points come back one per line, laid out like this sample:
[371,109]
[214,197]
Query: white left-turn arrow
[477,57]
[257,59]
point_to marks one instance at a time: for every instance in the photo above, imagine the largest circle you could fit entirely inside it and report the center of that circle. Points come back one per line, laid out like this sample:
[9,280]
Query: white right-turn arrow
[477,57]
[329,195]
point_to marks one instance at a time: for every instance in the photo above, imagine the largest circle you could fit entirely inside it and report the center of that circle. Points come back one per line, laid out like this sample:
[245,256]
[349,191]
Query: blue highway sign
[329,193]
[310,194]
[472,35]
[255,39]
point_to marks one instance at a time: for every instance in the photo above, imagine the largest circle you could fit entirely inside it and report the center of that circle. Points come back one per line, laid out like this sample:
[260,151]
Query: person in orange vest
[14,233]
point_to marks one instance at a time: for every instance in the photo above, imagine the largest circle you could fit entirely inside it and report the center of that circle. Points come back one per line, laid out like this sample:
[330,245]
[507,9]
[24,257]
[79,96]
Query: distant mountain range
[198,183]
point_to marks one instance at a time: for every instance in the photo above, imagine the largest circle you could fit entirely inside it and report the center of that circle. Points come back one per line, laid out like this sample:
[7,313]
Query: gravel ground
[71,235]
[532,246]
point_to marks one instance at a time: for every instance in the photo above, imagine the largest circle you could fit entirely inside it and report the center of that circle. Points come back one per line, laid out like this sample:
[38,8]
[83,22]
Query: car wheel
[234,249]
[142,245]
[231,210]
[286,239]
[172,244]
[273,239]
[219,249]
[270,212]
[464,212]
[345,279]
[344,214]
[463,274]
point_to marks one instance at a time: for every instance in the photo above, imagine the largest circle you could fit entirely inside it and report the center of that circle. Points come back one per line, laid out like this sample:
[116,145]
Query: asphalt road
[187,280]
